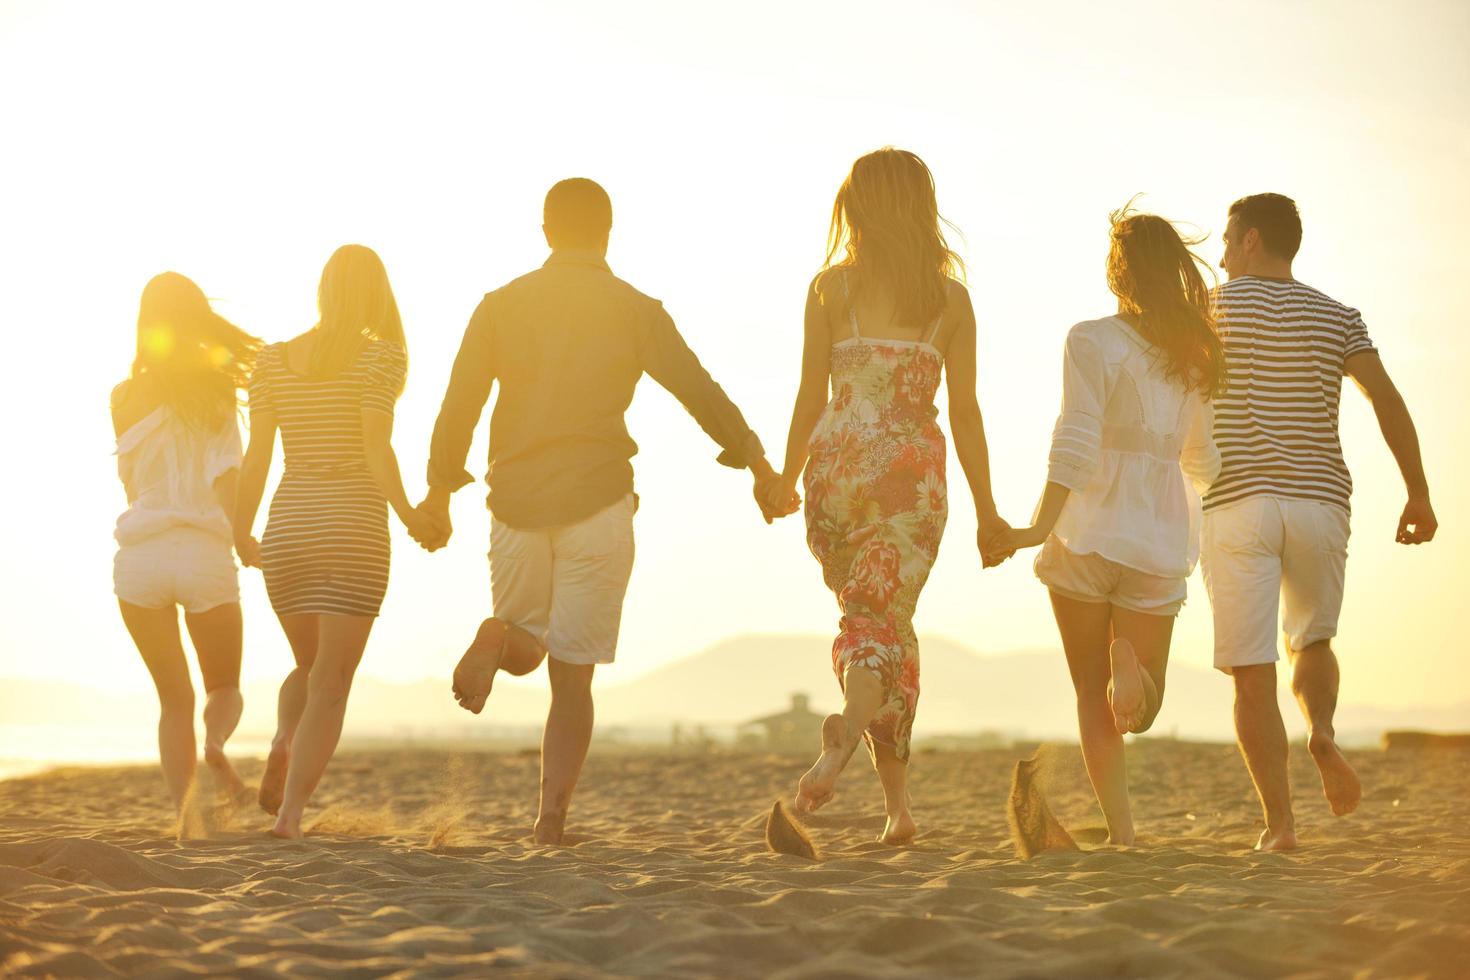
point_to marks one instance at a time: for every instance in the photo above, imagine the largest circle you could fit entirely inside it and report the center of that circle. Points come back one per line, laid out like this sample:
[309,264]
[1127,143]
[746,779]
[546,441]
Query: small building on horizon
[798,727]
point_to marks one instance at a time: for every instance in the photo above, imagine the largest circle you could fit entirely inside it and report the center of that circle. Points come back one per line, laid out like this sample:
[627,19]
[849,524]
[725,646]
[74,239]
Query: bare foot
[1122,838]
[816,787]
[1125,690]
[287,827]
[1339,783]
[899,830]
[273,780]
[475,674]
[1277,840]
[549,828]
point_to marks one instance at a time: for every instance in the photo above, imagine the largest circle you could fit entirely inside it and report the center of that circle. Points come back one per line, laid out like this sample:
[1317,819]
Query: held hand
[436,515]
[1014,540]
[425,530]
[775,498]
[991,528]
[249,551]
[1417,524]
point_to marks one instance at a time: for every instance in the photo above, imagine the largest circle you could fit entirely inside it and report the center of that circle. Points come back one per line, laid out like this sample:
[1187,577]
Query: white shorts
[1093,578]
[1265,554]
[183,566]
[565,585]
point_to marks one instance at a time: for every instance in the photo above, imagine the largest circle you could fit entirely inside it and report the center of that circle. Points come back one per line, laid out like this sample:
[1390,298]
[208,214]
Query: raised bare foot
[1125,691]
[820,781]
[549,828]
[1339,783]
[1277,840]
[273,780]
[475,674]
[899,830]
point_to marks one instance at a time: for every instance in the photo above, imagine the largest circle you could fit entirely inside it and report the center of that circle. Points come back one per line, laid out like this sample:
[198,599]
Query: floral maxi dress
[875,511]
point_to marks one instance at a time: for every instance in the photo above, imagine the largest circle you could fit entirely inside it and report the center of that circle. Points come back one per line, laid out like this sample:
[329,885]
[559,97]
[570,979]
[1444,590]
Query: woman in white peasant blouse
[1119,522]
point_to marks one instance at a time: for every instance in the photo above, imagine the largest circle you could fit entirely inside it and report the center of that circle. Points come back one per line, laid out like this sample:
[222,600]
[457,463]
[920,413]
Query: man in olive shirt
[568,344]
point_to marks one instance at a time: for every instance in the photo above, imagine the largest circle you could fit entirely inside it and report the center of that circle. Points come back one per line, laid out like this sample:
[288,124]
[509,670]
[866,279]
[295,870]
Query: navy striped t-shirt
[1286,348]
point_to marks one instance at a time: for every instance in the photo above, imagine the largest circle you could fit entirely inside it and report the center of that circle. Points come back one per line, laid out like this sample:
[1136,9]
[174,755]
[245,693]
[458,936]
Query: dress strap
[934,330]
[851,313]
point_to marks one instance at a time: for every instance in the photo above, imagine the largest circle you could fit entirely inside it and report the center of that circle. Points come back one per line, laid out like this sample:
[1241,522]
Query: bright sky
[241,144]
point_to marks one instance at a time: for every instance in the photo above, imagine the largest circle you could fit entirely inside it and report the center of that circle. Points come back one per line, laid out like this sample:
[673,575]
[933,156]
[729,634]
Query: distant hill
[1024,694]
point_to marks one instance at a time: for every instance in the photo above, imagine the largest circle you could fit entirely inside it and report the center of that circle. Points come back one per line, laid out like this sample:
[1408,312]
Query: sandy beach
[420,863]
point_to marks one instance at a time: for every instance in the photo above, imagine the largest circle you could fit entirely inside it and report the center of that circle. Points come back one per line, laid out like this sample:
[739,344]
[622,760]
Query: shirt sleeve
[667,359]
[464,401]
[258,391]
[385,371]
[1357,340]
[1076,440]
[224,452]
[1200,457]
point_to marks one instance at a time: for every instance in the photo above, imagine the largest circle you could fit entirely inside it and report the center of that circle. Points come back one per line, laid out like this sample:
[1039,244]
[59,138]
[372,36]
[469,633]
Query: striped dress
[1286,350]
[325,548]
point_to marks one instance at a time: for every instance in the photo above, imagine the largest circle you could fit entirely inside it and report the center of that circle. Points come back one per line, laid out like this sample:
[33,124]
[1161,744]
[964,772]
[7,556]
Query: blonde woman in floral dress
[882,323]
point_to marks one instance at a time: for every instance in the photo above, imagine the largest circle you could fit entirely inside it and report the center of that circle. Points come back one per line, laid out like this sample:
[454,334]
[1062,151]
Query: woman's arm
[250,484]
[382,463]
[968,427]
[1052,501]
[811,395]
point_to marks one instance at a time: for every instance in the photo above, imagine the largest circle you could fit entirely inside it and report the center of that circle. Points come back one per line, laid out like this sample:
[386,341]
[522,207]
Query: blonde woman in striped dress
[330,392]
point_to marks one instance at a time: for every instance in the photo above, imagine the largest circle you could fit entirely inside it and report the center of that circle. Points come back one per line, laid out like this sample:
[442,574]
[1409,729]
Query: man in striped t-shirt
[1276,520]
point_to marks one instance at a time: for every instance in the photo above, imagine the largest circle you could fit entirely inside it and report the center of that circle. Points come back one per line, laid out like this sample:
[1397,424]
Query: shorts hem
[582,659]
[1229,668]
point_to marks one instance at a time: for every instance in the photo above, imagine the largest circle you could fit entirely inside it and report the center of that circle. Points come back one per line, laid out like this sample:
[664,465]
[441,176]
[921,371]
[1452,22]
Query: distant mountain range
[1022,695]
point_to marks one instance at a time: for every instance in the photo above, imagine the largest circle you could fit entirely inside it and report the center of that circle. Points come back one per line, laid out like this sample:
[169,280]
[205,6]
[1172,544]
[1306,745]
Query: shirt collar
[577,256]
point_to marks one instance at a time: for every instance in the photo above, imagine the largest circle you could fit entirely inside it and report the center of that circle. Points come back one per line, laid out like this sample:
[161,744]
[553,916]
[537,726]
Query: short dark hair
[578,212]
[1275,218]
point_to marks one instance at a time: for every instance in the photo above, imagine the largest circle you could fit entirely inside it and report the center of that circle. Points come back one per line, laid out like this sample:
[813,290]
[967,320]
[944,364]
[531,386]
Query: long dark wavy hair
[1159,280]
[886,228]
[195,359]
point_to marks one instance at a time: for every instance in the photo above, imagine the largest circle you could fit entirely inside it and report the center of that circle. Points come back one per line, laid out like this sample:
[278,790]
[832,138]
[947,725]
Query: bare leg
[342,640]
[893,773]
[302,633]
[1262,739]
[563,745]
[1086,628]
[156,633]
[1314,679]
[217,640]
[862,692]
[1144,639]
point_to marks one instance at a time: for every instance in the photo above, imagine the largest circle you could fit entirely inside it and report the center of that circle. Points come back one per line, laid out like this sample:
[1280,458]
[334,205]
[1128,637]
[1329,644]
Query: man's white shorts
[565,585]
[1262,554]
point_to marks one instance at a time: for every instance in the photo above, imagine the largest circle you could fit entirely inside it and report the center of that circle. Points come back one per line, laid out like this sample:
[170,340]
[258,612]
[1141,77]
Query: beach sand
[420,862]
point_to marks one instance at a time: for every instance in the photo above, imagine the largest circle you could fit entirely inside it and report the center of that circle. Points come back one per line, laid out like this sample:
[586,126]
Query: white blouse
[1125,443]
[168,469]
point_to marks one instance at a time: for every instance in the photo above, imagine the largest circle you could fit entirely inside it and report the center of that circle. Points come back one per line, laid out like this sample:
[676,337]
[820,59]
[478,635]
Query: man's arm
[454,430]
[667,359]
[1417,524]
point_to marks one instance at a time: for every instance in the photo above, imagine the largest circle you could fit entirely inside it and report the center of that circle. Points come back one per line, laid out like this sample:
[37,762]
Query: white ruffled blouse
[168,469]
[1128,444]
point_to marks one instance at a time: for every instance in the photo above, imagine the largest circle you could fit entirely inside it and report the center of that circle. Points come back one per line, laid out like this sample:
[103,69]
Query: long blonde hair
[887,229]
[355,306]
[1157,278]
[195,360]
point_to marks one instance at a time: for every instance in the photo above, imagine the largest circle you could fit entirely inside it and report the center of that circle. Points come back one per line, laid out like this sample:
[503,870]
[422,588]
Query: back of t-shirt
[1286,346]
